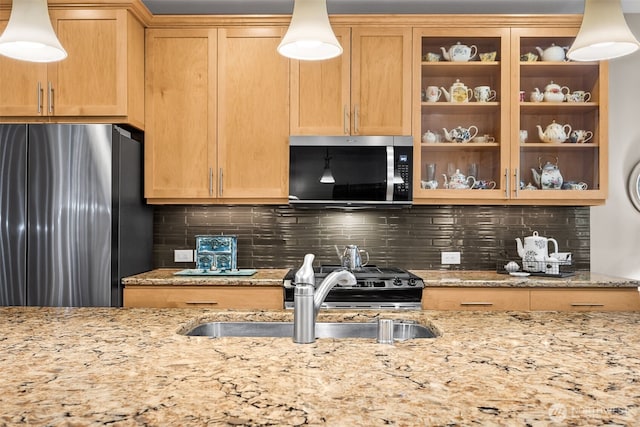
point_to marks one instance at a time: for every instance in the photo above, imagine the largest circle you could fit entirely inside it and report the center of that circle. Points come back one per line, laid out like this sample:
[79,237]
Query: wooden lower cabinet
[621,299]
[475,299]
[539,299]
[225,297]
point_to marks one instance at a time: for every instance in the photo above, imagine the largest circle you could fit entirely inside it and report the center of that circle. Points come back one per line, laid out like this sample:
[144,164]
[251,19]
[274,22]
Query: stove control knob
[412,282]
[397,281]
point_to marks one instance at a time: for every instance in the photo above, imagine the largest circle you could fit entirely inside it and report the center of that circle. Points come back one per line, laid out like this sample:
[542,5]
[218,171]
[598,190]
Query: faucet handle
[305,274]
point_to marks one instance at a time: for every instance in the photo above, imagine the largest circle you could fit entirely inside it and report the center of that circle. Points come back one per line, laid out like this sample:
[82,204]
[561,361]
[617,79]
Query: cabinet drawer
[254,297]
[627,299]
[475,299]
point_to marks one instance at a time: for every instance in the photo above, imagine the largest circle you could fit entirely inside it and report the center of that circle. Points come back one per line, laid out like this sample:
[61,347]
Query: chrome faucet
[307,299]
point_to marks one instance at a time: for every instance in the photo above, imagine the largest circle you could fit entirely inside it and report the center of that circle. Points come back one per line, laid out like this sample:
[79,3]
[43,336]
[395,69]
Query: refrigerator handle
[50,98]
[39,97]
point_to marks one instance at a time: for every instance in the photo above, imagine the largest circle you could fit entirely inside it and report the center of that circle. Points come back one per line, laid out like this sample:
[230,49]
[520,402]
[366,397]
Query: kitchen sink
[402,330]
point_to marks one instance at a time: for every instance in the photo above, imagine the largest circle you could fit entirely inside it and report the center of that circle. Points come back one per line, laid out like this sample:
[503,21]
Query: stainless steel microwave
[350,171]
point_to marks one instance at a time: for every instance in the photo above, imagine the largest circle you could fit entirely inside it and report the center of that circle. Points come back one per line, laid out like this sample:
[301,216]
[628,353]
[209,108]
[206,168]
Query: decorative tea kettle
[548,177]
[458,181]
[554,132]
[535,252]
[460,134]
[552,53]
[459,52]
[350,257]
[459,92]
[553,92]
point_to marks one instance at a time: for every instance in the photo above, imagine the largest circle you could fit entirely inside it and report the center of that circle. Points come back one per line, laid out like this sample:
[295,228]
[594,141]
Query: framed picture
[634,186]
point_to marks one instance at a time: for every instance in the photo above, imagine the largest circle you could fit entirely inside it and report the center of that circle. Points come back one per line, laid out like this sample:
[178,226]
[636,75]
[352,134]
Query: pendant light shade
[310,36]
[29,35]
[604,33]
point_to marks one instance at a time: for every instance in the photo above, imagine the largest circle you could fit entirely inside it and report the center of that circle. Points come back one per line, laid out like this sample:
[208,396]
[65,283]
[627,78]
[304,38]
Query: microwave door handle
[390,173]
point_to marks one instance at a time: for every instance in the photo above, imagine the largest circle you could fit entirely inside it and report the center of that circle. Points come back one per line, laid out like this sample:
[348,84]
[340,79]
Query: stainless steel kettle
[351,257]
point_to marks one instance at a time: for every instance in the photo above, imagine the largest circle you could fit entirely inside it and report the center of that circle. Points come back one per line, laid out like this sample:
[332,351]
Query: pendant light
[604,33]
[29,35]
[310,36]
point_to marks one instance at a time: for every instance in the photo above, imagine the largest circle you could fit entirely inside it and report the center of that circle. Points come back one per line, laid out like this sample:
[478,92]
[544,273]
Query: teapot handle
[555,244]
[362,251]
[563,92]
[568,127]
[473,133]
[474,50]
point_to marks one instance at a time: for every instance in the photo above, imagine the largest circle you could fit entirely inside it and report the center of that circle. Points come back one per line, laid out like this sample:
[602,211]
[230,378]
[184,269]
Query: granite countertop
[432,278]
[476,278]
[165,276]
[129,367]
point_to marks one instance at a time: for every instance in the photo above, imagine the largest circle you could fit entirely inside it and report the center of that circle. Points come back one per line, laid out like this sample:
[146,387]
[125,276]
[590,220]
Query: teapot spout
[445,54]
[520,247]
[536,176]
[447,135]
[446,94]
[540,51]
[541,133]
[340,255]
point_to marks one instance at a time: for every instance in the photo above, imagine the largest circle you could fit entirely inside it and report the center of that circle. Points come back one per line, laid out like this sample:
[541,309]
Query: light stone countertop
[476,278]
[129,367]
[432,278]
[166,276]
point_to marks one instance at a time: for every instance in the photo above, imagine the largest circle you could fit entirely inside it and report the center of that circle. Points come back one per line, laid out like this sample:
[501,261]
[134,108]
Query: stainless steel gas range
[376,288]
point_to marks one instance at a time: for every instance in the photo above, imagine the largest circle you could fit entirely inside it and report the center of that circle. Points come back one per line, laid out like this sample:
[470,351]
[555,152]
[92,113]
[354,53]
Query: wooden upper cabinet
[103,74]
[253,114]
[365,91]
[180,150]
[22,84]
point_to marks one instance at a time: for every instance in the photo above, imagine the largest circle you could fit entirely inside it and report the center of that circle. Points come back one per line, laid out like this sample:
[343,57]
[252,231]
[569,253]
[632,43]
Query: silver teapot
[351,257]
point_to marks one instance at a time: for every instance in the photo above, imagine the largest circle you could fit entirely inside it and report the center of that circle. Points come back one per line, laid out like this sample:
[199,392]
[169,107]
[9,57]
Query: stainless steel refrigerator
[73,220]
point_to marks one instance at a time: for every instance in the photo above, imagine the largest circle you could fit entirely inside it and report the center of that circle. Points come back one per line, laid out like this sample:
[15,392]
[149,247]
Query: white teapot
[459,92]
[459,52]
[535,252]
[554,132]
[460,134]
[553,53]
[553,92]
[458,181]
[549,176]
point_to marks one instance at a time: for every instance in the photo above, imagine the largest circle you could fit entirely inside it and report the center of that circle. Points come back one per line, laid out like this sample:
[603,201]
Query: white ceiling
[277,7]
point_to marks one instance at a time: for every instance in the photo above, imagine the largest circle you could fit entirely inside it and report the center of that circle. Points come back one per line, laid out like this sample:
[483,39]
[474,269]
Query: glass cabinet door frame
[492,118]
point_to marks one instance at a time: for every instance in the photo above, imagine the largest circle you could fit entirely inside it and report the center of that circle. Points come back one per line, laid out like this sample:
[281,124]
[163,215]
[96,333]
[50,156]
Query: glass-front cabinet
[505,118]
[463,87]
[560,124]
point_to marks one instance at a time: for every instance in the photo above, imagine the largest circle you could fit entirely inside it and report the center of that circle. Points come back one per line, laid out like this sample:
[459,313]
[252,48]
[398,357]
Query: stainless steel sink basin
[401,330]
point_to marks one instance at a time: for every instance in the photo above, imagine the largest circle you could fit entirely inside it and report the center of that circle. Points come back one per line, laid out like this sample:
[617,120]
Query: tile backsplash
[279,236]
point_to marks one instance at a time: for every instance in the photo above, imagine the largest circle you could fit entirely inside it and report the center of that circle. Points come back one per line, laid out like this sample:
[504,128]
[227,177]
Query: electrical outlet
[183,255]
[450,257]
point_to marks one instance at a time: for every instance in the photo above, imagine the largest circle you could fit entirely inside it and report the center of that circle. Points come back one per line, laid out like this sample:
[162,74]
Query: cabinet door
[320,92]
[22,84]
[92,80]
[483,153]
[381,81]
[253,114]
[180,113]
[577,162]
